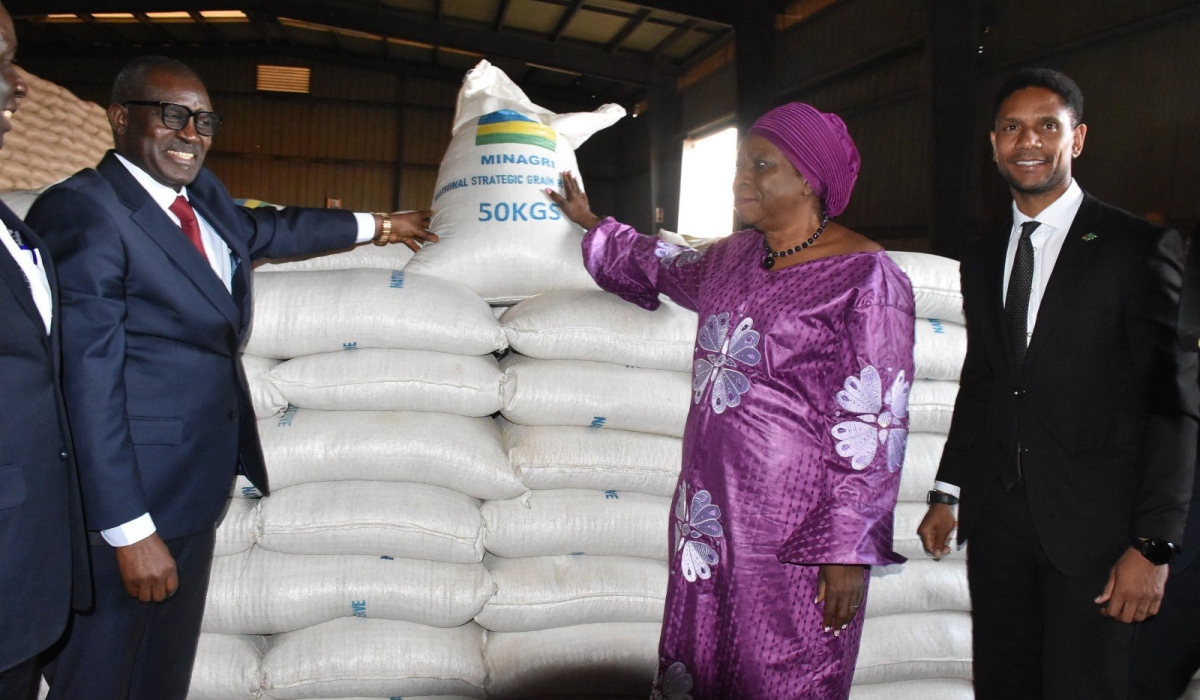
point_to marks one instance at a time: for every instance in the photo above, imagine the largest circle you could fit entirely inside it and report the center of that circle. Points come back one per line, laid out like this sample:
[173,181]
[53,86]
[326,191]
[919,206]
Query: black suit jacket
[1106,399]
[1189,336]
[154,386]
[43,547]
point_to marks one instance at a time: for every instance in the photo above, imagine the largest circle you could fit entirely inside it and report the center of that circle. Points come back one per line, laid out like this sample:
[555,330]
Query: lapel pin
[1089,237]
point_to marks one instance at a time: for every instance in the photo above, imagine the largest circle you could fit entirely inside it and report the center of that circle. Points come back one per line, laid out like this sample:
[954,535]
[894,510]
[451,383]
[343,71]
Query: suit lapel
[14,276]
[991,292]
[1071,267]
[155,223]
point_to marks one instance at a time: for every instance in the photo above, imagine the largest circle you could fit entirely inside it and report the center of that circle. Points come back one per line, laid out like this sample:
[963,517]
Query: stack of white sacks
[365,563]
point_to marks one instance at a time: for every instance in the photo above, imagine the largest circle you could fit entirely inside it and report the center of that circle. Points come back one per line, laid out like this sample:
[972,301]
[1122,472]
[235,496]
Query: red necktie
[187,221]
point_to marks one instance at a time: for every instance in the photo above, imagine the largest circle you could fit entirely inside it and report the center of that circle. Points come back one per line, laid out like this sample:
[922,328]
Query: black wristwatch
[936,496]
[1159,552]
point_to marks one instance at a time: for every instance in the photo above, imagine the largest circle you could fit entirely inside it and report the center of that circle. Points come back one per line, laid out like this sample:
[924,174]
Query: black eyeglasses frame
[214,116]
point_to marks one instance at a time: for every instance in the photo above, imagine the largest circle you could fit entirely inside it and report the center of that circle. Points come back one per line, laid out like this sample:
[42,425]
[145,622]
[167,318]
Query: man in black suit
[1166,654]
[1074,433]
[155,266]
[43,550]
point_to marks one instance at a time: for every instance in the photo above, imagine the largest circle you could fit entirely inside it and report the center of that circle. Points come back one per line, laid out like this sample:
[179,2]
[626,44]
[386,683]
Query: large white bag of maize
[416,521]
[500,234]
[388,257]
[596,325]
[1193,689]
[307,313]
[458,452]
[227,667]
[921,459]
[914,646]
[939,349]
[904,532]
[535,593]
[577,521]
[264,592]
[927,689]
[595,394]
[931,405]
[616,658]
[373,379]
[936,284]
[553,457]
[264,396]
[375,658]
[238,529]
[919,585]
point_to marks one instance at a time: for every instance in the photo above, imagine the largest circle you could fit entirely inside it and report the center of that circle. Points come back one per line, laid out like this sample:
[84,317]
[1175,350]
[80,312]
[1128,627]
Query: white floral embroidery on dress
[881,419]
[668,253]
[725,352]
[696,558]
[675,684]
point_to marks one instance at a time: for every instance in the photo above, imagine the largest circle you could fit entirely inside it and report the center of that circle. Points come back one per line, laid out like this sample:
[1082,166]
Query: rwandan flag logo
[507,126]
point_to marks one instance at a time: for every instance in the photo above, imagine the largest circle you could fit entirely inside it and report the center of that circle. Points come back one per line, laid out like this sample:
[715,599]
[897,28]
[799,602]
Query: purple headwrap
[820,147]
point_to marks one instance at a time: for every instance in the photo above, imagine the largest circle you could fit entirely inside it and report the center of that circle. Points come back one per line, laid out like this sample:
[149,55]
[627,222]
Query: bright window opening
[706,188]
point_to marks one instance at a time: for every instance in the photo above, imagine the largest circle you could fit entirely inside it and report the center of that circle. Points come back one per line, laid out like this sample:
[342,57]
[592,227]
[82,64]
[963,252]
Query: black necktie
[1016,302]
[1016,322]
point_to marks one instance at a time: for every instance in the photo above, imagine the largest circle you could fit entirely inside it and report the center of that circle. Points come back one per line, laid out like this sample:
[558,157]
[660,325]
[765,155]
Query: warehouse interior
[912,79]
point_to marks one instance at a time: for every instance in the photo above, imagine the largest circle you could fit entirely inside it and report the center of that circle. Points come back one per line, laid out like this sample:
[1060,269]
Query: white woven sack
[373,517]
[915,646]
[596,325]
[392,380]
[537,593]
[616,658]
[554,457]
[921,460]
[936,284]
[458,452]
[904,534]
[307,313]
[919,585]
[577,521]
[931,405]
[264,592]
[1193,689]
[595,394]
[939,349]
[500,234]
[227,668]
[375,658]
[265,397]
[388,257]
[928,689]
[238,529]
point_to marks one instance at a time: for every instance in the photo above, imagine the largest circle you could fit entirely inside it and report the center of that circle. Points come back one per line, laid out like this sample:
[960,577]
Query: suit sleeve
[971,407]
[1165,373]
[91,263]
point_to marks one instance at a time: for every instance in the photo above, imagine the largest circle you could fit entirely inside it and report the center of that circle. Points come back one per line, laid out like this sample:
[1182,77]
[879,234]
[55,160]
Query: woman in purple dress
[793,446]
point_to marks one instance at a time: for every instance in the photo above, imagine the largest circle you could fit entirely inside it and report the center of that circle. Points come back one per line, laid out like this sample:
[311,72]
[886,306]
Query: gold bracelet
[385,230]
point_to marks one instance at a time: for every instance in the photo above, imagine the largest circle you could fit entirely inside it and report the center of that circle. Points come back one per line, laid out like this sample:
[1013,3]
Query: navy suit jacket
[1105,404]
[43,547]
[154,387]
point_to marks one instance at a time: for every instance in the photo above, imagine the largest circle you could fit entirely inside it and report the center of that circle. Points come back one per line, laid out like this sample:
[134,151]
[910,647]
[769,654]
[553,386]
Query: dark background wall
[375,138]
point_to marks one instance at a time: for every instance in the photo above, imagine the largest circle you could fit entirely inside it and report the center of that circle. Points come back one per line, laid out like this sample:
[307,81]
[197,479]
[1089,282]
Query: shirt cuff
[366,226]
[947,488]
[131,532]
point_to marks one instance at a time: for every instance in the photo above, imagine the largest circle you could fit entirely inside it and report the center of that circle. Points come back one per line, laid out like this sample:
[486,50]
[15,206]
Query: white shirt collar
[1058,215]
[164,196]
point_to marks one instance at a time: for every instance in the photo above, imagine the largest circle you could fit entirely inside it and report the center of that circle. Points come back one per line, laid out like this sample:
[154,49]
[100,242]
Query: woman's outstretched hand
[574,202]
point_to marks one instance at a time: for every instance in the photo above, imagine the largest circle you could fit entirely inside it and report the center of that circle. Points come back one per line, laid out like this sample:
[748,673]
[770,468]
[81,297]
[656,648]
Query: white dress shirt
[33,266]
[221,261]
[1047,240]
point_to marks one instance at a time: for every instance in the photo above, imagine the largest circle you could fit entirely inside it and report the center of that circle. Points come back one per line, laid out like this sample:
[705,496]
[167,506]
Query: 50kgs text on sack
[519,211]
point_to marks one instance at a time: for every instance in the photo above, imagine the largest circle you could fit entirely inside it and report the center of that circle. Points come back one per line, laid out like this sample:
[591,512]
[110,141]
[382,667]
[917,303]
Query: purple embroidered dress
[791,456]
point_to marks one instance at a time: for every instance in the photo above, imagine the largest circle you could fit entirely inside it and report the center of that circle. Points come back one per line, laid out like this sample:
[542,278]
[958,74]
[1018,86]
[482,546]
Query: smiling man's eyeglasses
[176,116]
